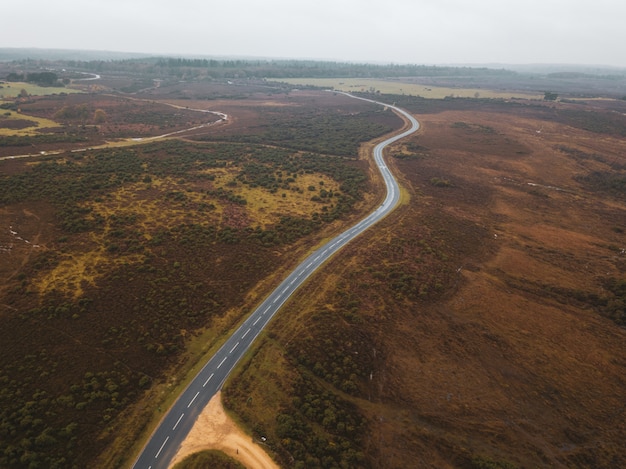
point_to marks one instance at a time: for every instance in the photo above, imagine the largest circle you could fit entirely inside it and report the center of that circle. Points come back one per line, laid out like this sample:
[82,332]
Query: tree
[43,78]
[549,96]
[15,77]
[99,117]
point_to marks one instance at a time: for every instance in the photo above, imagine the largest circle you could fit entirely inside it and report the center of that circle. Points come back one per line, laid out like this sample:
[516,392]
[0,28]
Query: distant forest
[163,67]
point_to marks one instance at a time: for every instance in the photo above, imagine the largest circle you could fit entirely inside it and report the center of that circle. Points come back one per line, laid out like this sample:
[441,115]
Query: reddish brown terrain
[123,265]
[480,325]
[476,326]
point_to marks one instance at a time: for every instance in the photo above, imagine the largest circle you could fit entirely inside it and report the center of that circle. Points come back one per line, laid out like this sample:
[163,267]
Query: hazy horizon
[397,31]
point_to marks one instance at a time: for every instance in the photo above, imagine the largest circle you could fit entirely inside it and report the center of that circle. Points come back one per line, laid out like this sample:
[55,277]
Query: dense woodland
[242,68]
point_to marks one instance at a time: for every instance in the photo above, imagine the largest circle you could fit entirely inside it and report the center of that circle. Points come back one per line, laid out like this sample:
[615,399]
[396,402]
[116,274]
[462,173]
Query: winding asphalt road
[174,427]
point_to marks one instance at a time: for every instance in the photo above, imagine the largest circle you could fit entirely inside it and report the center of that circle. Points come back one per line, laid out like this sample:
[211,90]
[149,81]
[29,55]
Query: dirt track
[215,430]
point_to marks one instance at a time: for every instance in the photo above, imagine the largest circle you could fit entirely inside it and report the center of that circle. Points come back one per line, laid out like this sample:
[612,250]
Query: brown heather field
[480,325]
[472,328]
[123,266]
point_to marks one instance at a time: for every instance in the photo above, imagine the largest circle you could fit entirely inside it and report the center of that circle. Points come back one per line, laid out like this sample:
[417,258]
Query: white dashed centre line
[208,379]
[161,449]
[178,421]
[222,362]
[194,398]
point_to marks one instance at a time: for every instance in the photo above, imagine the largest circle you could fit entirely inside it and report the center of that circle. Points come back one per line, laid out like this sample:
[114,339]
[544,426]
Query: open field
[18,124]
[480,325]
[121,264]
[396,86]
[13,89]
[81,121]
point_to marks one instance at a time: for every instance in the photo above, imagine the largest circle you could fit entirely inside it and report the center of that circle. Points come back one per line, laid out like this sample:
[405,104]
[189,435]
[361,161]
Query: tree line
[38,78]
[160,67]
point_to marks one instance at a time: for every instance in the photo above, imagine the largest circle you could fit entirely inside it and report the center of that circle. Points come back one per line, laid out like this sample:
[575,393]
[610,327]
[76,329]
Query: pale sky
[388,31]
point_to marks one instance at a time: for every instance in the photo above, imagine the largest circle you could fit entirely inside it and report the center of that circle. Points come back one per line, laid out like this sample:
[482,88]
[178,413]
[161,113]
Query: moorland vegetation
[121,256]
[479,325]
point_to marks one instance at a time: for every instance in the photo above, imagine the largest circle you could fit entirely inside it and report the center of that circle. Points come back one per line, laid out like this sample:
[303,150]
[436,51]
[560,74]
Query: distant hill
[9,54]
[549,69]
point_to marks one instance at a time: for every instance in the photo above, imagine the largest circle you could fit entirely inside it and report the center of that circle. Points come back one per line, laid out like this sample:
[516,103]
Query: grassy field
[413,89]
[12,90]
[29,128]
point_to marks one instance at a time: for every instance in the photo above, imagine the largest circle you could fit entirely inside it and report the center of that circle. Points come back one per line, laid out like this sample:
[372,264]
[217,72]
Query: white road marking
[244,336]
[257,320]
[208,379]
[179,419]
[342,239]
[161,449]
[233,349]
[194,398]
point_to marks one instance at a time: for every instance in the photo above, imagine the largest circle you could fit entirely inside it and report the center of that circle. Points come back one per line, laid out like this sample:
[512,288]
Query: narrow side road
[223,118]
[179,420]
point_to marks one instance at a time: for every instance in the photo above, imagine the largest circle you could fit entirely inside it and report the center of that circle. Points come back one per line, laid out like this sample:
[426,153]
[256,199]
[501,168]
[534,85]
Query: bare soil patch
[215,430]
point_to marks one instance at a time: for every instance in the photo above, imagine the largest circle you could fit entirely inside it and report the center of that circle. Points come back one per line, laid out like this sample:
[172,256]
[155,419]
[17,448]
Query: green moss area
[212,459]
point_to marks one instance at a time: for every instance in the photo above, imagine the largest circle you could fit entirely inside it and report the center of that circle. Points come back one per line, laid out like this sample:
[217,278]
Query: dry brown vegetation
[473,327]
[84,120]
[479,325]
[122,266]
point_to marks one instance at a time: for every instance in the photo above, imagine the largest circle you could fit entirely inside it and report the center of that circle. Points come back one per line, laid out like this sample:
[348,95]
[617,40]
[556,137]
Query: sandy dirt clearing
[215,430]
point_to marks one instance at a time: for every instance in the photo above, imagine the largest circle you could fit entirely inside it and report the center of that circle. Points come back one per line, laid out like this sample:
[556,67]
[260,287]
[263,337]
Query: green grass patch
[13,123]
[13,90]
[213,459]
[412,89]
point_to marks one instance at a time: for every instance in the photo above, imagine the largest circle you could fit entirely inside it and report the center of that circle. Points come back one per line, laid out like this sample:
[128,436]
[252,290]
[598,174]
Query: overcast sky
[389,31]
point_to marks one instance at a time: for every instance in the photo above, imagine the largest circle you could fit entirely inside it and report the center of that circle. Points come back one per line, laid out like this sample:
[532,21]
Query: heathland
[479,325]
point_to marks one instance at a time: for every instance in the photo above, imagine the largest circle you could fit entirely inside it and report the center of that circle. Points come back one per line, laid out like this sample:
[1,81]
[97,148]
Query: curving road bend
[176,424]
[130,141]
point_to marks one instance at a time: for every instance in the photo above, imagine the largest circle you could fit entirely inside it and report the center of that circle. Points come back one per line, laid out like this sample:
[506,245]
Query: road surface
[164,443]
[129,141]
